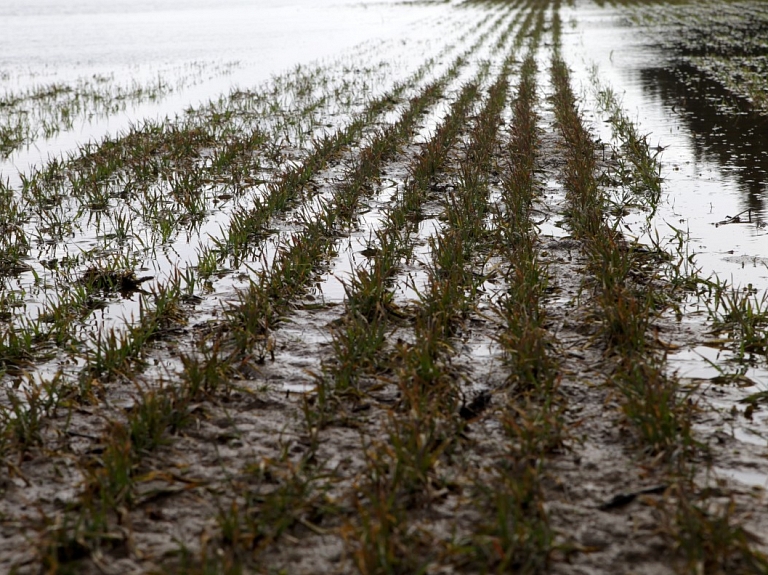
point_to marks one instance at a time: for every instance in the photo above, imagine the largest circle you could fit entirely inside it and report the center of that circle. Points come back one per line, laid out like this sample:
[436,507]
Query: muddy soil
[148,427]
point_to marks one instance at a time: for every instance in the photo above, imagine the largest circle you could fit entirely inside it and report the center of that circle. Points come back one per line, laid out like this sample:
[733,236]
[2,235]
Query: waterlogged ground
[383,287]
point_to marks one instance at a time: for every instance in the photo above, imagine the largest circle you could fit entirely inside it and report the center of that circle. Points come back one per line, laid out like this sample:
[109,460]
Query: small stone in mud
[623,499]
[13,267]
[594,539]
[108,280]
[479,403]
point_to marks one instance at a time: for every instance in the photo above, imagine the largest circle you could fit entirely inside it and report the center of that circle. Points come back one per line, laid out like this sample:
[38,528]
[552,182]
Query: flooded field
[383,287]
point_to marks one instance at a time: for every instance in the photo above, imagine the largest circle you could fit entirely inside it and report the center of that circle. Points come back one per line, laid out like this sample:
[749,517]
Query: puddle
[714,157]
[418,275]
[550,224]
[733,138]
[702,362]
[352,251]
[746,477]
[135,42]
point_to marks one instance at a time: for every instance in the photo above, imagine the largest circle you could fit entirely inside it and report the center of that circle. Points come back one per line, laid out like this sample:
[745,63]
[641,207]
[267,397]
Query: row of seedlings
[403,474]
[156,412]
[514,532]
[89,527]
[179,147]
[43,110]
[260,514]
[369,295]
[703,537]
[247,520]
[247,226]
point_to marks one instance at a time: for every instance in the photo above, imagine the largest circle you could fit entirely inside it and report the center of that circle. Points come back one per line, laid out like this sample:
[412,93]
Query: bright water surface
[46,41]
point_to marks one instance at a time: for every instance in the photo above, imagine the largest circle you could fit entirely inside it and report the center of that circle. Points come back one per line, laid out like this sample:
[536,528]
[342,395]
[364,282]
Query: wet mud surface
[276,332]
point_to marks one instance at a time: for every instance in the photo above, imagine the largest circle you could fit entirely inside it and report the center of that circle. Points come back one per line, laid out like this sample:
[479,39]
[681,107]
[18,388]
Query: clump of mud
[112,281]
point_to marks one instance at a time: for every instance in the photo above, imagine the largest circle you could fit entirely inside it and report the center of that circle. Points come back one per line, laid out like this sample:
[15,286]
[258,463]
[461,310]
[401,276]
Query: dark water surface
[715,151]
[724,130]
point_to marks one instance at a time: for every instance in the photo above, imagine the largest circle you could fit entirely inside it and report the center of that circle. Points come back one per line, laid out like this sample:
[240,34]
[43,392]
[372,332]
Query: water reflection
[723,130]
